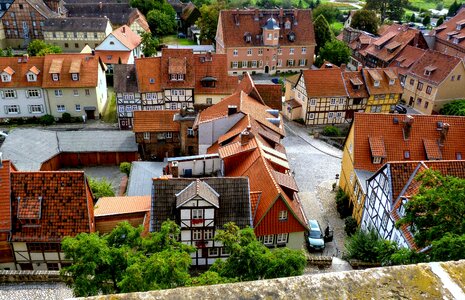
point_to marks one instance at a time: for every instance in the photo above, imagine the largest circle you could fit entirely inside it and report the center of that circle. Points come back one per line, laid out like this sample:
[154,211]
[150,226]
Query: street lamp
[335,184]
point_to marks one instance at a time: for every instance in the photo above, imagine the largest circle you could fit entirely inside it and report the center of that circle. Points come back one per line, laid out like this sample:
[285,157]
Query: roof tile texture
[155,121]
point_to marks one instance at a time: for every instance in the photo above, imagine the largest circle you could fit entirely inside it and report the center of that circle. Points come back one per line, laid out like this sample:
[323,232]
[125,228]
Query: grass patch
[109,116]
[430,4]
[174,40]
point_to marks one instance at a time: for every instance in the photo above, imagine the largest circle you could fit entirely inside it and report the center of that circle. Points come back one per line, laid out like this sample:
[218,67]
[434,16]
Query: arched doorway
[267,69]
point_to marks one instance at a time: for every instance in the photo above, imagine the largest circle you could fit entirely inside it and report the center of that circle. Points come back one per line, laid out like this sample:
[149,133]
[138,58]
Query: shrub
[300,121]
[125,168]
[331,131]
[47,120]
[364,246]
[101,188]
[66,117]
[350,226]
[342,204]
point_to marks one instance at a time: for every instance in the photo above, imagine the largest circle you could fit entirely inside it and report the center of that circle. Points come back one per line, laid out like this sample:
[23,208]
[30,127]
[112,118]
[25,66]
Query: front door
[90,114]
[410,101]
[267,69]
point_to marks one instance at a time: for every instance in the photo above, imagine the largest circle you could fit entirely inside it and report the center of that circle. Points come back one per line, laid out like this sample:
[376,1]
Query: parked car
[315,238]
[400,109]
[181,35]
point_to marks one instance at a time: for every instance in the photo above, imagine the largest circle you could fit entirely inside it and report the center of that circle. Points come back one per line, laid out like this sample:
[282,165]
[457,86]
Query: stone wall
[425,281]
[12,276]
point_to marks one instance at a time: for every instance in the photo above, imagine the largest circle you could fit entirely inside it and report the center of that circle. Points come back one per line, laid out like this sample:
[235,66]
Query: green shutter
[231,65]
[240,64]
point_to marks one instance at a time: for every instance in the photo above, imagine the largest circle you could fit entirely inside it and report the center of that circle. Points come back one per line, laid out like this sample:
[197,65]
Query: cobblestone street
[315,165]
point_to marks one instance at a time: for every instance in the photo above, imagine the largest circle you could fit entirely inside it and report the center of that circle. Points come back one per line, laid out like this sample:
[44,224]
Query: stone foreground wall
[422,281]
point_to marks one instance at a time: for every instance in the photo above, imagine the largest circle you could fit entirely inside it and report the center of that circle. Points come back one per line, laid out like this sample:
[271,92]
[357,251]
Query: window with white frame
[281,238]
[341,101]
[6,78]
[280,63]
[173,105]
[8,94]
[168,135]
[77,107]
[213,251]
[311,116]
[58,93]
[75,76]
[61,108]
[128,96]
[33,93]
[55,77]
[12,109]
[268,239]
[330,115]
[36,109]
[402,207]
[31,77]
[260,51]
[270,36]
[338,115]
[129,108]
[291,51]
[377,160]
[121,108]
[244,64]
[302,62]
[197,213]
[290,62]
[333,101]
[134,107]
[76,93]
[235,64]
[235,52]
[146,135]
[304,50]
[209,101]
[282,215]
[313,102]
[280,51]
[254,63]
[224,251]
[249,51]
[196,235]
[287,25]
[208,234]
[190,131]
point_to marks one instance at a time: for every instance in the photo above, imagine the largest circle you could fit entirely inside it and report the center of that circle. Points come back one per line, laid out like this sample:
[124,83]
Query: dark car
[400,109]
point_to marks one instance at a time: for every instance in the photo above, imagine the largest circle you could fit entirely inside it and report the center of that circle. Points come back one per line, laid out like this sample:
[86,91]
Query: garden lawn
[174,40]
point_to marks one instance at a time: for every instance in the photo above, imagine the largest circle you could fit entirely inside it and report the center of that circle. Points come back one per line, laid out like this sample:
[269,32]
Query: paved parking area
[315,165]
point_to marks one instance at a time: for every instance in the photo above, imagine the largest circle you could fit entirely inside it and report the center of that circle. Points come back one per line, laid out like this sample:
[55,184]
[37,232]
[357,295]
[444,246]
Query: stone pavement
[315,165]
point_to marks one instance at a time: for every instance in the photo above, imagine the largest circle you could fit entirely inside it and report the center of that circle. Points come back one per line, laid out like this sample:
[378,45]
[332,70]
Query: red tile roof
[213,66]
[88,75]
[390,128]
[354,84]
[5,194]
[370,75]
[234,24]
[155,121]
[404,61]
[326,82]
[271,95]
[148,72]
[182,60]
[66,207]
[449,27]
[137,16]
[438,64]
[20,67]
[106,206]
[127,37]
[114,57]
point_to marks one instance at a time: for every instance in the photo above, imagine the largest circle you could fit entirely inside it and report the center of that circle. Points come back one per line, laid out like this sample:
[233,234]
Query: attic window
[55,77]
[376,83]
[392,81]
[406,154]
[176,77]
[458,155]
[377,160]
[402,207]
[75,76]
[31,77]
[112,43]
[427,73]
[247,37]
[291,36]
[6,78]
[208,82]
[152,80]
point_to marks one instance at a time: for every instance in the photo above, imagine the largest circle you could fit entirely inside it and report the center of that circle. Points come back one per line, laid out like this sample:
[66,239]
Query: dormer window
[208,81]
[291,37]
[376,83]
[75,76]
[177,77]
[287,25]
[177,68]
[55,77]
[427,73]
[6,77]
[31,77]
[392,81]
[377,160]
[247,37]
[402,207]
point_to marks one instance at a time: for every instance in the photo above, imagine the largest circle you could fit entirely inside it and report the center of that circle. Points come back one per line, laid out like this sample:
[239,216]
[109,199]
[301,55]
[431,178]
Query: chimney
[183,111]
[443,133]
[25,58]
[93,52]
[256,16]
[246,136]
[408,122]
[295,16]
[232,109]
[123,28]
[100,5]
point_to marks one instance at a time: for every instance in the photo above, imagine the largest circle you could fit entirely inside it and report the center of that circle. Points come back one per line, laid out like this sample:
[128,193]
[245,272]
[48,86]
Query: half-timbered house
[376,139]
[201,207]
[128,97]
[390,188]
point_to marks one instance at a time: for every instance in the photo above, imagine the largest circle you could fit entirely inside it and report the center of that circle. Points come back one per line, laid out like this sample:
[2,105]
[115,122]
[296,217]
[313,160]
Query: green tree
[161,23]
[101,188]
[437,209]
[149,44]
[453,8]
[440,21]
[329,11]
[335,51]
[449,247]
[365,20]
[250,260]
[413,19]
[388,9]
[454,108]
[9,52]
[426,20]
[208,21]
[41,48]
[323,33]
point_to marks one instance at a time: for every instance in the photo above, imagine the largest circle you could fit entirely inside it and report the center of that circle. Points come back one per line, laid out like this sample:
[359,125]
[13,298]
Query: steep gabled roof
[327,82]
[124,78]
[76,24]
[406,58]
[148,72]
[127,37]
[383,76]
[448,30]
[436,64]
[390,128]
[20,67]
[63,199]
[137,16]
[118,13]
[155,121]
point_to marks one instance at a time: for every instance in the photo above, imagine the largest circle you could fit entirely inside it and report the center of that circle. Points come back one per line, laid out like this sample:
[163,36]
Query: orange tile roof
[155,121]
[114,57]
[127,37]
[377,146]
[184,56]
[254,201]
[213,66]
[440,66]
[21,67]
[233,32]
[271,95]
[66,207]
[449,27]
[121,205]
[148,73]
[247,85]
[88,76]
[5,194]
[326,82]
[384,87]
[354,79]
[389,127]
[406,58]
[137,16]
